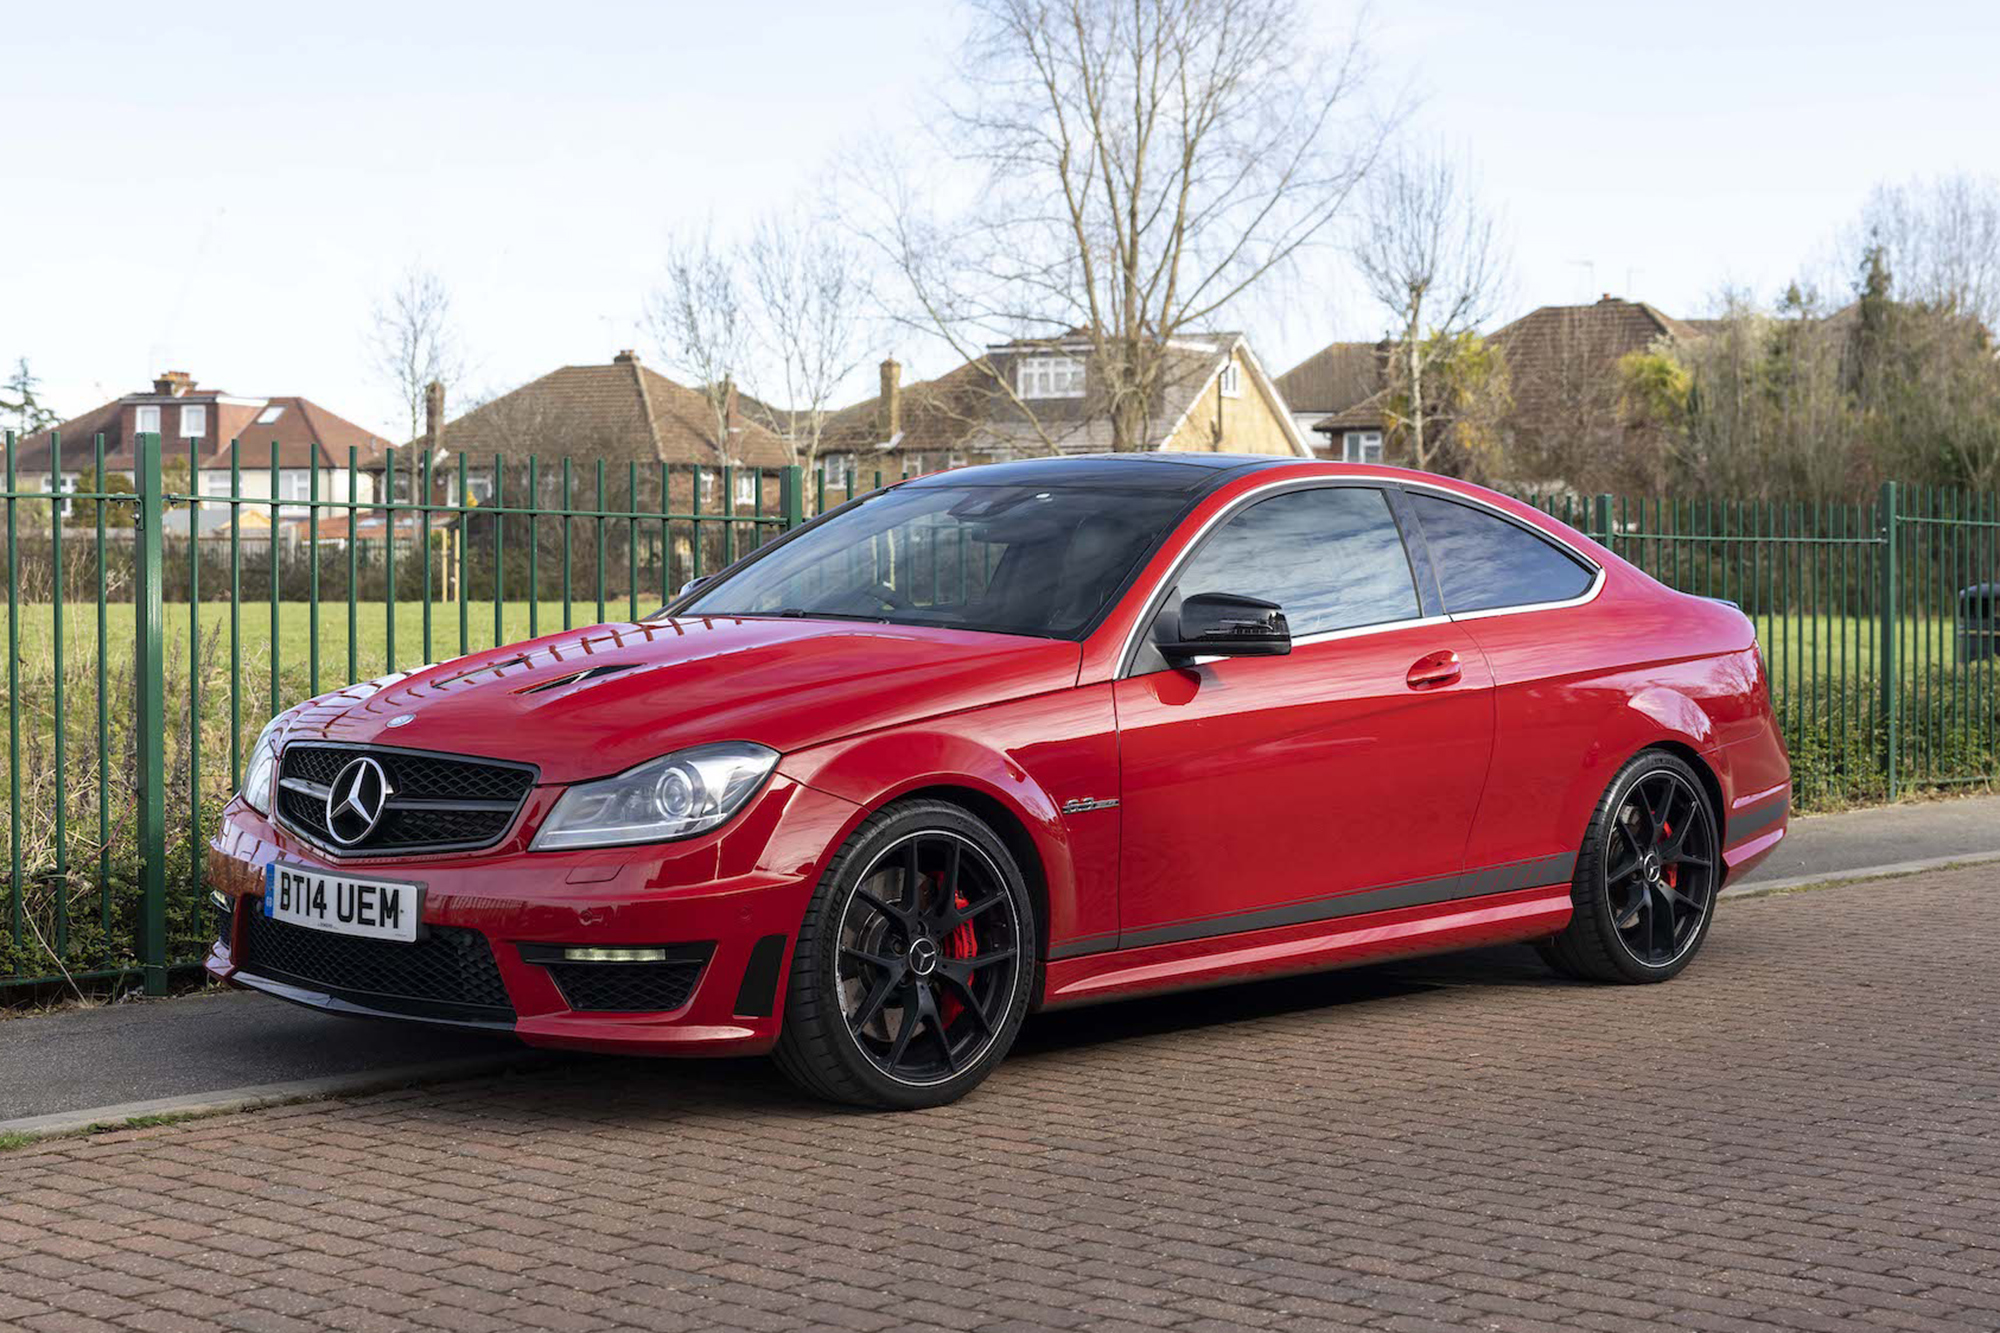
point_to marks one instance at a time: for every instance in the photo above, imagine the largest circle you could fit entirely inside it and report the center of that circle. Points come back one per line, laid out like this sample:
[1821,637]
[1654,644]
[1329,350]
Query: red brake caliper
[1670,872]
[961,943]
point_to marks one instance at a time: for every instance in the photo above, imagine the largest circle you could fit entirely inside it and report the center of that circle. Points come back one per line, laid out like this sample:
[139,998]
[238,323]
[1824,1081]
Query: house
[1563,378]
[1039,396]
[621,412]
[1339,399]
[197,427]
[1562,363]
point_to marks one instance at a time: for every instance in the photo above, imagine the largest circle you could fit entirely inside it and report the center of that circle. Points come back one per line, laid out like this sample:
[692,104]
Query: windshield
[1012,559]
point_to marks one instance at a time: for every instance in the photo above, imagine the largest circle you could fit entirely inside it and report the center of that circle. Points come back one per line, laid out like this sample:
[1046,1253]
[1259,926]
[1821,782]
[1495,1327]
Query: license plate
[380,909]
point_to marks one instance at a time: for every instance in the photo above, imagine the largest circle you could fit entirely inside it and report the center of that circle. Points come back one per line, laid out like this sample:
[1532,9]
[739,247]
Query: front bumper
[725,906]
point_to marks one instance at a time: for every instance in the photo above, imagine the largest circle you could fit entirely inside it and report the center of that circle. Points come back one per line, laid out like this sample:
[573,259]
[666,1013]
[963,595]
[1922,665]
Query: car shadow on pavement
[621,1091]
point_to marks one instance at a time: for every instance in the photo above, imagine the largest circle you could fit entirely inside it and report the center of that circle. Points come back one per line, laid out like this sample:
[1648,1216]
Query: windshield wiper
[801,613]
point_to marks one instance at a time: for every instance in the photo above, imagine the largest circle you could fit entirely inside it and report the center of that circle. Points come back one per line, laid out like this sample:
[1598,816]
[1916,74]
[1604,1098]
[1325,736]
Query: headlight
[676,796]
[263,766]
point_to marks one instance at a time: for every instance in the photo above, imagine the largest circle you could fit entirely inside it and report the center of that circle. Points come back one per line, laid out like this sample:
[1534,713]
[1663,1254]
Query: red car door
[1340,779]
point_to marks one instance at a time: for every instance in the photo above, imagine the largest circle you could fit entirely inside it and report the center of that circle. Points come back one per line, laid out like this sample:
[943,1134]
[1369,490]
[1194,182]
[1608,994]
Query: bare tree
[415,341]
[1426,250]
[1134,167]
[1941,238]
[810,294]
[700,322]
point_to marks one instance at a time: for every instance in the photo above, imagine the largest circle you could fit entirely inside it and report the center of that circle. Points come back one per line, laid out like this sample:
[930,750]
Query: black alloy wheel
[1646,879]
[1660,873]
[911,974]
[928,943]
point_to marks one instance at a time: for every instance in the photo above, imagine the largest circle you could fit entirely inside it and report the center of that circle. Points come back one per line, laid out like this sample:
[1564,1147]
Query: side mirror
[1223,624]
[694,585]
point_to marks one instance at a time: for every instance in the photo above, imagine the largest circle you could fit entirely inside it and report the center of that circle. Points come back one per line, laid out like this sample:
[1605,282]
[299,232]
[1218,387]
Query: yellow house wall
[1250,423]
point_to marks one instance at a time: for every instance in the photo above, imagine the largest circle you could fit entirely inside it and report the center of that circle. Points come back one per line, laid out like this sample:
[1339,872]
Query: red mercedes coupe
[1016,737]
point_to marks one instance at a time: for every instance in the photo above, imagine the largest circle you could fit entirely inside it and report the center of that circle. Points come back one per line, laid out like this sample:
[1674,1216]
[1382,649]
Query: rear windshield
[1011,559]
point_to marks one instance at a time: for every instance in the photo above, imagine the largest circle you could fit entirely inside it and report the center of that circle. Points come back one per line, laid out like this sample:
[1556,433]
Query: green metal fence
[1879,623]
[151,633]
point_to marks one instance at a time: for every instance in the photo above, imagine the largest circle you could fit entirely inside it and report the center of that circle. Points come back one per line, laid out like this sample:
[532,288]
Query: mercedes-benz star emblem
[403,720]
[924,957]
[356,800]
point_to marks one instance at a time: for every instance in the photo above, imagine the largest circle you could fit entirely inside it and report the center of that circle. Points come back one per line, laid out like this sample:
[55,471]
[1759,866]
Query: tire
[1646,877]
[913,967]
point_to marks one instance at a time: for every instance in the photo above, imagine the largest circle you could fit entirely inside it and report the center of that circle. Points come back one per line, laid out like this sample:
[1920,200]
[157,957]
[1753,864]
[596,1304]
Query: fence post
[1604,533]
[148,607]
[792,496]
[1886,648]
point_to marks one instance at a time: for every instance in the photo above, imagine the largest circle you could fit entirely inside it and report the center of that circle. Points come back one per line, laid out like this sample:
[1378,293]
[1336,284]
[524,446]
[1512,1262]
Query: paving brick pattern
[1802,1133]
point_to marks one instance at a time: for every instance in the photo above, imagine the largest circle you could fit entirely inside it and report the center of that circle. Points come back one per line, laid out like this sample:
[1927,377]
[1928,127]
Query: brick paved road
[1803,1133]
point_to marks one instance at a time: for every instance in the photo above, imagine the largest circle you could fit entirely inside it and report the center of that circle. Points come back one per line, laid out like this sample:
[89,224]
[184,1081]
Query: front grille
[437,803]
[447,970]
[223,912]
[631,988]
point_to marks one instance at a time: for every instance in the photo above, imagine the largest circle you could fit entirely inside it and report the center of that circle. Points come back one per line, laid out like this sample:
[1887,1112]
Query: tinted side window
[1332,558]
[1485,562]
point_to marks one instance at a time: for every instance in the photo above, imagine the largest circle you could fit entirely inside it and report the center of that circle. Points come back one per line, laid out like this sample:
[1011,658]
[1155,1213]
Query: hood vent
[574,678]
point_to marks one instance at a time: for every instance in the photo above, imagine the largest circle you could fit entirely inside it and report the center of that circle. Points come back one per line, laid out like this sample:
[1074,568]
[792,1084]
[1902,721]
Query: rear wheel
[1646,877]
[910,979]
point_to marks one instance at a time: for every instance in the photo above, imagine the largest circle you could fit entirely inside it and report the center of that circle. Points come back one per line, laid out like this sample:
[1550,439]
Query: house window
[65,485]
[214,481]
[270,414]
[833,469]
[1232,380]
[295,484]
[149,421]
[1361,446]
[194,421]
[1049,377]
[746,489]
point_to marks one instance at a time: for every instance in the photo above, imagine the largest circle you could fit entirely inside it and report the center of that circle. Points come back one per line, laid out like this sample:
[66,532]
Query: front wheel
[1646,877]
[910,979]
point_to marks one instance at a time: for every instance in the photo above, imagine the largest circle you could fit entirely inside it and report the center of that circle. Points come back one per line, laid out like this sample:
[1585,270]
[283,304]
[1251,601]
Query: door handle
[1435,670]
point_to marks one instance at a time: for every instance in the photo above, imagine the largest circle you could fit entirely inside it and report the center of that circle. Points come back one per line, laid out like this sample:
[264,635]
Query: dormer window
[1049,377]
[194,421]
[1232,380]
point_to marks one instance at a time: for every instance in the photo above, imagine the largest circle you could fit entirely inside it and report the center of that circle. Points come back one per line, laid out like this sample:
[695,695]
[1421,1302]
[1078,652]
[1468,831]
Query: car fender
[1024,760]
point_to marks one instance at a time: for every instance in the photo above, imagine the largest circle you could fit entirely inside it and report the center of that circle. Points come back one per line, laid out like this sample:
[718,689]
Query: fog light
[614,955]
[220,901]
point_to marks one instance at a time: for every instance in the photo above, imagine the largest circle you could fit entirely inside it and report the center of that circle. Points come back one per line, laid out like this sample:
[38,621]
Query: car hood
[591,702]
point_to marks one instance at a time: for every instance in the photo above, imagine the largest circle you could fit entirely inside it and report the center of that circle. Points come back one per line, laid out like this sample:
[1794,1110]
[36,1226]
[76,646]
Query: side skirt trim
[1416,893]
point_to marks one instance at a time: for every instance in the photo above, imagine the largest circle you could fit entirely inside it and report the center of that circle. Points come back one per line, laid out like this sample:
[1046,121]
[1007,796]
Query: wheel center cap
[924,957]
[1652,865]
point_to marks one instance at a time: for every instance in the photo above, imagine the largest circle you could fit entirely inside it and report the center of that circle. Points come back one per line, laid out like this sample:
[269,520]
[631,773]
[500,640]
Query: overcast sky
[228,188]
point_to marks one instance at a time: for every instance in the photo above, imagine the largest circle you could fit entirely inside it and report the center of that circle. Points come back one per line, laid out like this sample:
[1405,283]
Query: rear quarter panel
[1579,690]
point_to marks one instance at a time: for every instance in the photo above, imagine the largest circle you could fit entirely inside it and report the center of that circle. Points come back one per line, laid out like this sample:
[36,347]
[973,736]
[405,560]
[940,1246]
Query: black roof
[1130,472]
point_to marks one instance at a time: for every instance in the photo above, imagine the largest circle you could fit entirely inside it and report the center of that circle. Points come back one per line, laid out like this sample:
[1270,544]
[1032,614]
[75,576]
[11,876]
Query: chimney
[626,357]
[173,383]
[434,419]
[729,401]
[889,407]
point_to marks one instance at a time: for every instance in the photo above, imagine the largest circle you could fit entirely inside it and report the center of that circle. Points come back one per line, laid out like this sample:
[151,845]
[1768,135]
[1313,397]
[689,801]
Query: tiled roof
[1557,352]
[303,433]
[1334,378]
[621,412]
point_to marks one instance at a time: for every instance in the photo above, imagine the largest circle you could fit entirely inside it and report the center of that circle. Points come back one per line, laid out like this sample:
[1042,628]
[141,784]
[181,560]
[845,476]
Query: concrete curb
[195,1104]
[1758,888]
